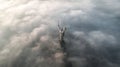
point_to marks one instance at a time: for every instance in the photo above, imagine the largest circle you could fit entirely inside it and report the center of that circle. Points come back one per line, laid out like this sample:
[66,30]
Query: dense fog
[29,33]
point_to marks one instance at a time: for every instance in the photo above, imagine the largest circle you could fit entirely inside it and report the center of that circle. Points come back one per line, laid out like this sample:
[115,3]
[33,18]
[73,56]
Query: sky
[29,34]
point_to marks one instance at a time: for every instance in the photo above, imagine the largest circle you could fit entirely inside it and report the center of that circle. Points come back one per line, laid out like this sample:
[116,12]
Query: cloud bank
[29,36]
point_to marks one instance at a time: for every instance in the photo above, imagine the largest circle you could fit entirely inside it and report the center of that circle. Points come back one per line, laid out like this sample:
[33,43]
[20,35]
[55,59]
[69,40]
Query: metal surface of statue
[61,37]
[62,43]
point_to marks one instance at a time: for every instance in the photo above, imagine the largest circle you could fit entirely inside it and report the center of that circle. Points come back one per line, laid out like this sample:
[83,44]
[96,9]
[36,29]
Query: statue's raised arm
[59,28]
[61,32]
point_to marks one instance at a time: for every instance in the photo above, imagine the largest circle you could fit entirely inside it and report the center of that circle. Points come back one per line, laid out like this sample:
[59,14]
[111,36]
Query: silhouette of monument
[62,43]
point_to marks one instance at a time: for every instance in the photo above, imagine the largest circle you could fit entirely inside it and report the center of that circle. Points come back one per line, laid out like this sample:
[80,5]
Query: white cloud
[23,21]
[97,37]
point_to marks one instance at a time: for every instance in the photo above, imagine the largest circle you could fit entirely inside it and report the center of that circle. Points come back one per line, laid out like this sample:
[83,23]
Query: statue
[62,31]
[61,37]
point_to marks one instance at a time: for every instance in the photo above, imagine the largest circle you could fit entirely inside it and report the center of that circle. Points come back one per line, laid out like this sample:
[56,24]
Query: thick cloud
[29,36]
